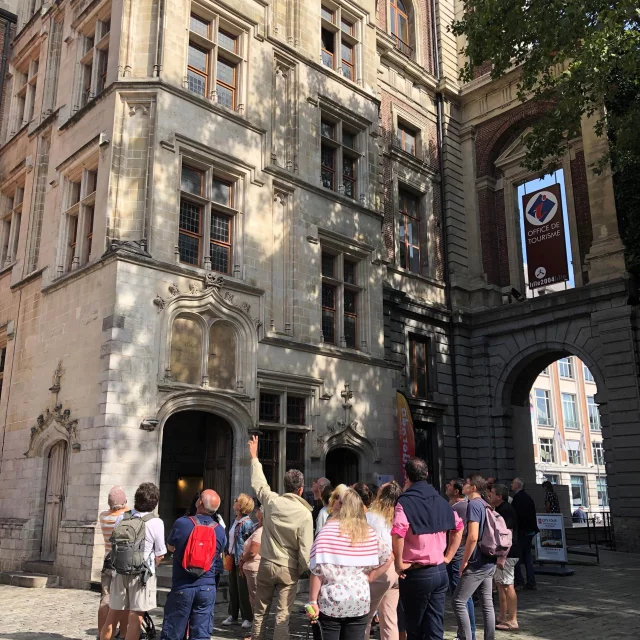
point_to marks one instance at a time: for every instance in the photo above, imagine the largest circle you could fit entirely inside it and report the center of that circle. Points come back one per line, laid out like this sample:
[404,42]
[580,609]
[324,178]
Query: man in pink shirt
[421,522]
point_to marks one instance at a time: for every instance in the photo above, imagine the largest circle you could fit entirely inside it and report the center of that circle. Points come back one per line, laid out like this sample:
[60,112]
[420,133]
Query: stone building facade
[221,218]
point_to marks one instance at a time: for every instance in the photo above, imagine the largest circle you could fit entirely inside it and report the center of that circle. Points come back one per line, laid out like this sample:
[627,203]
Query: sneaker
[229,621]
[531,587]
[246,624]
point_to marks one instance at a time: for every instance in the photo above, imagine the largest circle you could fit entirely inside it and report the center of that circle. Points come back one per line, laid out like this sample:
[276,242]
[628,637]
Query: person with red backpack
[196,543]
[478,562]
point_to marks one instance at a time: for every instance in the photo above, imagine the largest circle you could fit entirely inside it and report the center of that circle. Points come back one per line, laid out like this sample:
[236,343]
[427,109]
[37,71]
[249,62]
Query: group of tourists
[386,555]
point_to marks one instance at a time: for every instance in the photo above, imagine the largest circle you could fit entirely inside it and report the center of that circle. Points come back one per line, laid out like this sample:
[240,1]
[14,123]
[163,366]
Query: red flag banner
[544,237]
[405,432]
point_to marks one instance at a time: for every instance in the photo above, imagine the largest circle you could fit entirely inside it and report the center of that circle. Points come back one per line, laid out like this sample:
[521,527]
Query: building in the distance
[567,433]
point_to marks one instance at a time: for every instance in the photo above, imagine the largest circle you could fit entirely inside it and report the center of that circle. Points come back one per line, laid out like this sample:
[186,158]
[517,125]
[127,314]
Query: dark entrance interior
[426,435]
[341,467]
[196,454]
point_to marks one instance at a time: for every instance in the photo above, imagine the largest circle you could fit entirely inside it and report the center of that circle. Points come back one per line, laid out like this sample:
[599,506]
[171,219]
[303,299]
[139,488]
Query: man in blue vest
[192,598]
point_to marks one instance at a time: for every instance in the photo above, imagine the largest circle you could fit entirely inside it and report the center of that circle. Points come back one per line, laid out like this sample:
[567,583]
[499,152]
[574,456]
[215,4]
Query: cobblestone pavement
[597,603]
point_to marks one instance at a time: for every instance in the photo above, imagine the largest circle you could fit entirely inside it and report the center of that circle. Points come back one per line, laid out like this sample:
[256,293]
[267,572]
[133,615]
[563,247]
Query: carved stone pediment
[53,424]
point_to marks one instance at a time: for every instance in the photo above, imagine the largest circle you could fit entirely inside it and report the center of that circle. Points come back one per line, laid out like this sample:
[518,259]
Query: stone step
[28,580]
[36,566]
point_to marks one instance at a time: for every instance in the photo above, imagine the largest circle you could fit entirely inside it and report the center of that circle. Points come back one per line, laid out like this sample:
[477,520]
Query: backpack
[147,629]
[200,549]
[496,537]
[127,544]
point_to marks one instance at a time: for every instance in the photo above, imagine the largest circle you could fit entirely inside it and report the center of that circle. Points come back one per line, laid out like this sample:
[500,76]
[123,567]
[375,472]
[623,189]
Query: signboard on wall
[550,542]
[544,237]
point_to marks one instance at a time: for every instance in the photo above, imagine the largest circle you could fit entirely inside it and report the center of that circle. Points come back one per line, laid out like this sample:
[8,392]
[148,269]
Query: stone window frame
[11,216]
[548,407]
[285,385]
[26,11]
[77,222]
[218,20]
[341,247]
[226,169]
[423,190]
[332,113]
[402,117]
[25,72]
[347,13]
[597,453]
[92,56]
[593,414]
[205,321]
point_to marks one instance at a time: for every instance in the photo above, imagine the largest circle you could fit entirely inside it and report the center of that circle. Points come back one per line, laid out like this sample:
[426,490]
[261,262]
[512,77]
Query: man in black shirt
[525,509]
[504,575]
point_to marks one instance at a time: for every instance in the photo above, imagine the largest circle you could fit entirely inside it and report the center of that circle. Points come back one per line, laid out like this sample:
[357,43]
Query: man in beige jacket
[286,543]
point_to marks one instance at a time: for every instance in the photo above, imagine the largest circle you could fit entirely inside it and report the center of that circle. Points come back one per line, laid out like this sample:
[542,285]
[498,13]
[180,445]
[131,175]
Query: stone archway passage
[342,466]
[196,455]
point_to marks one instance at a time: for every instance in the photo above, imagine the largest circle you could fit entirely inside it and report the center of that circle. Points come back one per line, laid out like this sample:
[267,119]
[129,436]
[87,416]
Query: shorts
[506,576]
[105,586]
[129,594]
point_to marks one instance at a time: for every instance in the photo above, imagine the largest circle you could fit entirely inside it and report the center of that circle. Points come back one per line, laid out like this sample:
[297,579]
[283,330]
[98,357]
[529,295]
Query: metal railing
[403,47]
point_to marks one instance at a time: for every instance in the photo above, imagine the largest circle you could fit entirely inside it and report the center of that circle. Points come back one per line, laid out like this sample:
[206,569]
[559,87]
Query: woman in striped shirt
[345,556]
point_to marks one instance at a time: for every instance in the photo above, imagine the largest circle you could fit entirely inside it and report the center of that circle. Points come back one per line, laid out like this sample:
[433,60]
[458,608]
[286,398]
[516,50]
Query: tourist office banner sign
[405,432]
[551,545]
[544,237]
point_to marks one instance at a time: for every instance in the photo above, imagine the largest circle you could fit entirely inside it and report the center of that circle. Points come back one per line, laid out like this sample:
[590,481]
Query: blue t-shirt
[178,538]
[476,512]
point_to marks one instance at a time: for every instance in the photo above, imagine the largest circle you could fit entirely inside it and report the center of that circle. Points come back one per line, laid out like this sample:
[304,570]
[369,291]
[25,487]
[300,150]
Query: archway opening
[342,466]
[196,455]
[557,433]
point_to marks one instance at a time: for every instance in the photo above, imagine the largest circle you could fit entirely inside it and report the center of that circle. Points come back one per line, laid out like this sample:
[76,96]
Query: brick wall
[582,208]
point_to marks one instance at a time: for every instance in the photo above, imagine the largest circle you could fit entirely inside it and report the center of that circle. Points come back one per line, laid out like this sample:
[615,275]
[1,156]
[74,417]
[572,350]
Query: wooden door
[54,500]
[217,462]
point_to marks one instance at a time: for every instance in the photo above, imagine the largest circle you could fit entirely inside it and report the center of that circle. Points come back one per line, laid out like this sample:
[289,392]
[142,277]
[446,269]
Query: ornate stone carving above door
[53,424]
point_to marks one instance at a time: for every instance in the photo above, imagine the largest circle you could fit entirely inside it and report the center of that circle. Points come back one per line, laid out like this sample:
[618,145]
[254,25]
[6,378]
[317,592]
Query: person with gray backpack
[137,547]
[487,540]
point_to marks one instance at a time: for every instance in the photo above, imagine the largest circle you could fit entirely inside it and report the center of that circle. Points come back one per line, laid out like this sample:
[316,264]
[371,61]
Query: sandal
[507,626]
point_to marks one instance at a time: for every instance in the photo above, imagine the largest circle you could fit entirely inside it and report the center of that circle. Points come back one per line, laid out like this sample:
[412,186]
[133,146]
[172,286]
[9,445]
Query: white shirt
[377,522]
[322,518]
[153,538]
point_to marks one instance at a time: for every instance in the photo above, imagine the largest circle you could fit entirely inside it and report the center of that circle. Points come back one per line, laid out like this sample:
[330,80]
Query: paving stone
[597,603]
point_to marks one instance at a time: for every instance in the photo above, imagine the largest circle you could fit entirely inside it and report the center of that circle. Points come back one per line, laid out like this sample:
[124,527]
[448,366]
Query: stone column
[606,257]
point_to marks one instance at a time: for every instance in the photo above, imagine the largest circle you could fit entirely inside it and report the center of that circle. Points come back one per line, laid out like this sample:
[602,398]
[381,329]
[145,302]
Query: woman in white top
[324,512]
[385,593]
[250,560]
[344,557]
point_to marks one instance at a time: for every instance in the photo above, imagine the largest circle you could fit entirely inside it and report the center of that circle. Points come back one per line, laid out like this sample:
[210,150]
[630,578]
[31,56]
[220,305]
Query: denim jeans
[526,558]
[423,593]
[482,580]
[453,571]
[192,606]
[343,628]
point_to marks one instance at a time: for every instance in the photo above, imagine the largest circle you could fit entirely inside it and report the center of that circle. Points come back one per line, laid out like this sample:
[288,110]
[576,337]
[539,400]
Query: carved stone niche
[209,342]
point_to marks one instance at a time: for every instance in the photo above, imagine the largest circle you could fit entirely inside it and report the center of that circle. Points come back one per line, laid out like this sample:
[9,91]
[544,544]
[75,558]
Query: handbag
[227,561]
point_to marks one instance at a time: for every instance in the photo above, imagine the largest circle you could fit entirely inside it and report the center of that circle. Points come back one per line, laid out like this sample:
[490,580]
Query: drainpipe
[445,244]
[157,67]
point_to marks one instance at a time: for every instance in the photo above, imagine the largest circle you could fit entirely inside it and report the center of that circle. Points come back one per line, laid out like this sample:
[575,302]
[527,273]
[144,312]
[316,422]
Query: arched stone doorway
[342,466]
[197,451]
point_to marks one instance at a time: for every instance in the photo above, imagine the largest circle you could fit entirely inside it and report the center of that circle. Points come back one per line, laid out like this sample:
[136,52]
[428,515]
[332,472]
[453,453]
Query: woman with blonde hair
[241,528]
[385,592]
[345,555]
